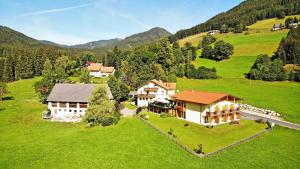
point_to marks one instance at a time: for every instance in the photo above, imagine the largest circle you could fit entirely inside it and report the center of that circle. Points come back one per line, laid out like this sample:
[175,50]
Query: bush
[138,110]
[199,150]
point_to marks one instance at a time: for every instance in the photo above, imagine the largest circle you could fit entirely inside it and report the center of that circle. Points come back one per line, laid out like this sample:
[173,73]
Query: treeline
[159,60]
[274,69]
[20,62]
[245,14]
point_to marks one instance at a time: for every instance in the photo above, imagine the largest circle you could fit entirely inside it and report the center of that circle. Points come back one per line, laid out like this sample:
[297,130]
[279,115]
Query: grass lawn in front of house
[212,139]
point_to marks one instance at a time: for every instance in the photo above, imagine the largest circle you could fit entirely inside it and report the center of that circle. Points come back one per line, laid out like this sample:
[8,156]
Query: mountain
[97,44]
[242,15]
[130,41]
[14,38]
[46,42]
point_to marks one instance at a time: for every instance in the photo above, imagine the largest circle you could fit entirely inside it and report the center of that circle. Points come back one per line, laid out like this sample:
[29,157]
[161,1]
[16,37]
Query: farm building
[98,70]
[70,100]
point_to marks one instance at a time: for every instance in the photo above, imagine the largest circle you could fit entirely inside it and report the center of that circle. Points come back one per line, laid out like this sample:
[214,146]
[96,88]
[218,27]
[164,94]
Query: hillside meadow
[283,97]
[27,141]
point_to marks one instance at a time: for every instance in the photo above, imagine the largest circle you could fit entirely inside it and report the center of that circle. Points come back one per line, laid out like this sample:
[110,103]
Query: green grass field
[194,134]
[27,141]
[283,97]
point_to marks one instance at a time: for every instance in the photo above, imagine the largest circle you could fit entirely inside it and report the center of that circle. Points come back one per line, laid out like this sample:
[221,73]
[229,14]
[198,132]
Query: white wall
[160,93]
[67,112]
[195,111]
[95,74]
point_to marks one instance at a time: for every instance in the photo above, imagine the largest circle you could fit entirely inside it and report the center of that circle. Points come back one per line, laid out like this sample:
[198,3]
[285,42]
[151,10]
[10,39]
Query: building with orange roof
[206,108]
[154,91]
[98,70]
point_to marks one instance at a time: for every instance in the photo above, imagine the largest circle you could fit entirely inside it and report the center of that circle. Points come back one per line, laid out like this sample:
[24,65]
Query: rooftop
[107,69]
[94,67]
[202,97]
[73,92]
[165,85]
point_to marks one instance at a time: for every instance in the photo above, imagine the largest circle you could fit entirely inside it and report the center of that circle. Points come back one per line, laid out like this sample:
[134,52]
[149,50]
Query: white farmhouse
[106,71]
[70,101]
[95,69]
[153,90]
[206,108]
[98,70]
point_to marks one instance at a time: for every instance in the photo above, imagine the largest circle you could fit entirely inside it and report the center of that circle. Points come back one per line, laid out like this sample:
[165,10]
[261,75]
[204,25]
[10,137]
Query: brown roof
[165,85]
[201,97]
[95,67]
[108,69]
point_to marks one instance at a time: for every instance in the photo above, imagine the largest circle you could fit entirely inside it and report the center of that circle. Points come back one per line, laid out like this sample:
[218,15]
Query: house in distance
[98,70]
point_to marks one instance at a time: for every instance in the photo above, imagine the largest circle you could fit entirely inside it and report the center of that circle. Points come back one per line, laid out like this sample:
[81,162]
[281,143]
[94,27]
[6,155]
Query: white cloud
[42,12]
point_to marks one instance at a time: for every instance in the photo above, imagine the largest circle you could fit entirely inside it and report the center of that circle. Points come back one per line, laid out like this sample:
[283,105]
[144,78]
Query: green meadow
[283,97]
[28,141]
[192,134]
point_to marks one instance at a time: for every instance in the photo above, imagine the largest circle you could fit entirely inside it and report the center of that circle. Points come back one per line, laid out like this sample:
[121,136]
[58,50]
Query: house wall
[106,74]
[196,112]
[66,112]
[95,74]
[160,93]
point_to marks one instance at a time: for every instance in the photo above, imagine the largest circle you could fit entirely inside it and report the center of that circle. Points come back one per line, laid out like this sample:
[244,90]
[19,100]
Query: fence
[189,150]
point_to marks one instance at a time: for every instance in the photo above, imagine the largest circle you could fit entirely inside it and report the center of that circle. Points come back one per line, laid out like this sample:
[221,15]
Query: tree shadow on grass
[8,98]
[1,109]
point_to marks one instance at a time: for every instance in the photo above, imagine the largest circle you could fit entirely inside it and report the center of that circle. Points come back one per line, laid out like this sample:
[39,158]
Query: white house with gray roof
[70,101]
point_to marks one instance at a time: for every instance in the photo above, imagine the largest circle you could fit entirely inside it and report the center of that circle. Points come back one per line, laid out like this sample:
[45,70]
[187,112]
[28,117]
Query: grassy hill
[259,40]
[28,141]
[279,96]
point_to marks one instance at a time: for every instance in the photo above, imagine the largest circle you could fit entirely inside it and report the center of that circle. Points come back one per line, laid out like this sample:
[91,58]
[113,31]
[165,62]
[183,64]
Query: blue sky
[80,21]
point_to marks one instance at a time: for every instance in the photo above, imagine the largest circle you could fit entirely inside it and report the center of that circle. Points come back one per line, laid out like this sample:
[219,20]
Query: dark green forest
[245,14]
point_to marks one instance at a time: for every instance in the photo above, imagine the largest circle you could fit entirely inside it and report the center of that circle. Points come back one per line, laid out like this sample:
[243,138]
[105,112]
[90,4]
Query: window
[73,105]
[70,110]
[82,105]
[75,111]
[63,105]
[65,110]
[59,110]
[54,104]
[80,111]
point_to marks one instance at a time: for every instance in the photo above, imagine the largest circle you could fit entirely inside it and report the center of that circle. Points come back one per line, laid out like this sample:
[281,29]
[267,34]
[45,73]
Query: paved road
[275,120]
[127,112]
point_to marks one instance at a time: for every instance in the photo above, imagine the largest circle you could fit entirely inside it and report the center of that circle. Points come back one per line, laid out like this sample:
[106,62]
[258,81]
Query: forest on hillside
[245,14]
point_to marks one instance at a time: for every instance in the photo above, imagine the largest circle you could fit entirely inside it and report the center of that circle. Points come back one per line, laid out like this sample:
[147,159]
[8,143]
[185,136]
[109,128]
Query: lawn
[27,141]
[211,139]
[129,105]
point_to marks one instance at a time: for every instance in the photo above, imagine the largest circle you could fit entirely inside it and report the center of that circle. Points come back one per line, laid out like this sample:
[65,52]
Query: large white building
[154,90]
[98,70]
[206,108]
[70,101]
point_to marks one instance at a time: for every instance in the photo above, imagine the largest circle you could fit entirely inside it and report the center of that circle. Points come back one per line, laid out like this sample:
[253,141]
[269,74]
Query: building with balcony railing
[206,108]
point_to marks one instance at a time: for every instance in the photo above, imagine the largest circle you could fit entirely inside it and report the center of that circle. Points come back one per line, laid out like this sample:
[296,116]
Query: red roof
[201,97]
